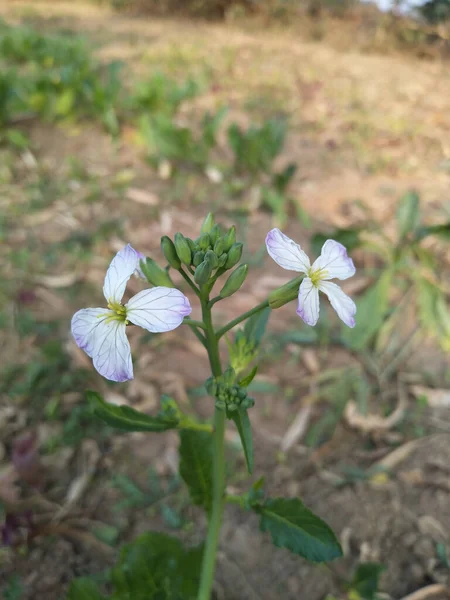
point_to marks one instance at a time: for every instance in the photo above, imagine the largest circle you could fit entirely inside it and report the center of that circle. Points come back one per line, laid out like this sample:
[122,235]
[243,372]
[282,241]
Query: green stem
[193,323]
[218,500]
[197,427]
[189,281]
[243,317]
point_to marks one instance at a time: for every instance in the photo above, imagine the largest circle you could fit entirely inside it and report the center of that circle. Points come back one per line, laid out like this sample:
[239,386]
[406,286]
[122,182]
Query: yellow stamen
[317,276]
[119,313]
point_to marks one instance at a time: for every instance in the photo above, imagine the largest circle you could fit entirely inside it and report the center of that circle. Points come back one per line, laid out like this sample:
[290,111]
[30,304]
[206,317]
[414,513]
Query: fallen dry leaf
[435,591]
[298,428]
[373,423]
[58,281]
[143,197]
[437,398]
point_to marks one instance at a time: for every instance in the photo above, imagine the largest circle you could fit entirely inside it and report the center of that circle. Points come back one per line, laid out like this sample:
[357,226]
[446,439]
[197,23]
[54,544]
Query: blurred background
[127,120]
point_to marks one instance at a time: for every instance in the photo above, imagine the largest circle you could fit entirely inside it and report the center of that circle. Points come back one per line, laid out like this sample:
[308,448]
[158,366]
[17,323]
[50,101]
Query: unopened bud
[204,241]
[234,255]
[219,247]
[212,259]
[285,293]
[229,238]
[191,244]
[198,258]
[155,274]
[203,272]
[223,259]
[170,252]
[234,281]
[215,234]
[182,248]
[208,223]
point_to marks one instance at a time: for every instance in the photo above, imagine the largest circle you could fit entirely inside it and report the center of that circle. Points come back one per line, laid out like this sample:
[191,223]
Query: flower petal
[286,253]
[139,273]
[112,353]
[308,302]
[335,261]
[158,309]
[122,267]
[85,324]
[342,304]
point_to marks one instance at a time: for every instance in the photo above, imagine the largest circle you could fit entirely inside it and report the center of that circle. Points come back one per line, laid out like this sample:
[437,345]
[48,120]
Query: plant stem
[218,500]
[243,317]
[193,323]
[189,281]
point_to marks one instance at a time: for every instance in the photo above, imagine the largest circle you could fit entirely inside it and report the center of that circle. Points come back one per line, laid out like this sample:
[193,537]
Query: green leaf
[84,588]
[65,103]
[366,580]
[126,418]
[156,567]
[372,309]
[349,237]
[293,526]
[196,465]
[255,327]
[244,428]
[246,381]
[441,231]
[408,214]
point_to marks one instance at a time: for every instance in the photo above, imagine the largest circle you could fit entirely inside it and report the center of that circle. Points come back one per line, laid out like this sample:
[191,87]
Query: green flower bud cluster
[230,396]
[211,251]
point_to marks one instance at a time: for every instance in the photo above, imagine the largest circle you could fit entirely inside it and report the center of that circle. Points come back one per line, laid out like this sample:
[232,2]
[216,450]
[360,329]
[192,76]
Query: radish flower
[100,332]
[333,262]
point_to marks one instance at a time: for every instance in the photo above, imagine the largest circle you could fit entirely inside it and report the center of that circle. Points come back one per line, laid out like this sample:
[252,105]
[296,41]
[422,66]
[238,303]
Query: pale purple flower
[333,262]
[100,332]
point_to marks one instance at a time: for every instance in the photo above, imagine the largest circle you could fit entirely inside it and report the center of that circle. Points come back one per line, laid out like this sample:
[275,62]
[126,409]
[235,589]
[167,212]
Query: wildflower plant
[155,565]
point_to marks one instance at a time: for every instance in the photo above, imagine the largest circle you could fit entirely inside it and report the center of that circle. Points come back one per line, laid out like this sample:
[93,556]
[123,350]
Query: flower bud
[234,255]
[234,281]
[182,248]
[219,247]
[155,274]
[215,234]
[191,245]
[204,241]
[223,259]
[212,259]
[208,223]
[203,272]
[198,258]
[229,238]
[169,252]
[285,293]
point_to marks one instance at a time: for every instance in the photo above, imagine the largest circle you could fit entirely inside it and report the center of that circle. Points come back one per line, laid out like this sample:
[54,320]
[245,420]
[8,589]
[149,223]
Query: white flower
[100,332]
[333,262]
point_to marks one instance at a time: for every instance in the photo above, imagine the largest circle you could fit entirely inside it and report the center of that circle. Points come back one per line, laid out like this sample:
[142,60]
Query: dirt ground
[365,127]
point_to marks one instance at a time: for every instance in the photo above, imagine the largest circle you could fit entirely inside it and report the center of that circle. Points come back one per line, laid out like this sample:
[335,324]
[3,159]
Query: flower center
[120,312]
[317,276]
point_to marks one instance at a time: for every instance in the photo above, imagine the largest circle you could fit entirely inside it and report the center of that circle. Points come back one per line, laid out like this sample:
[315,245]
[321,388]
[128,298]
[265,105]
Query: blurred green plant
[55,77]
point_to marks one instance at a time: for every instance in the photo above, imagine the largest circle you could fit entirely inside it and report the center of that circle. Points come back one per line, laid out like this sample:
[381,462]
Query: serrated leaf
[293,526]
[408,214]
[156,567]
[84,588]
[372,309]
[244,428]
[366,580]
[126,418]
[196,465]
[246,381]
